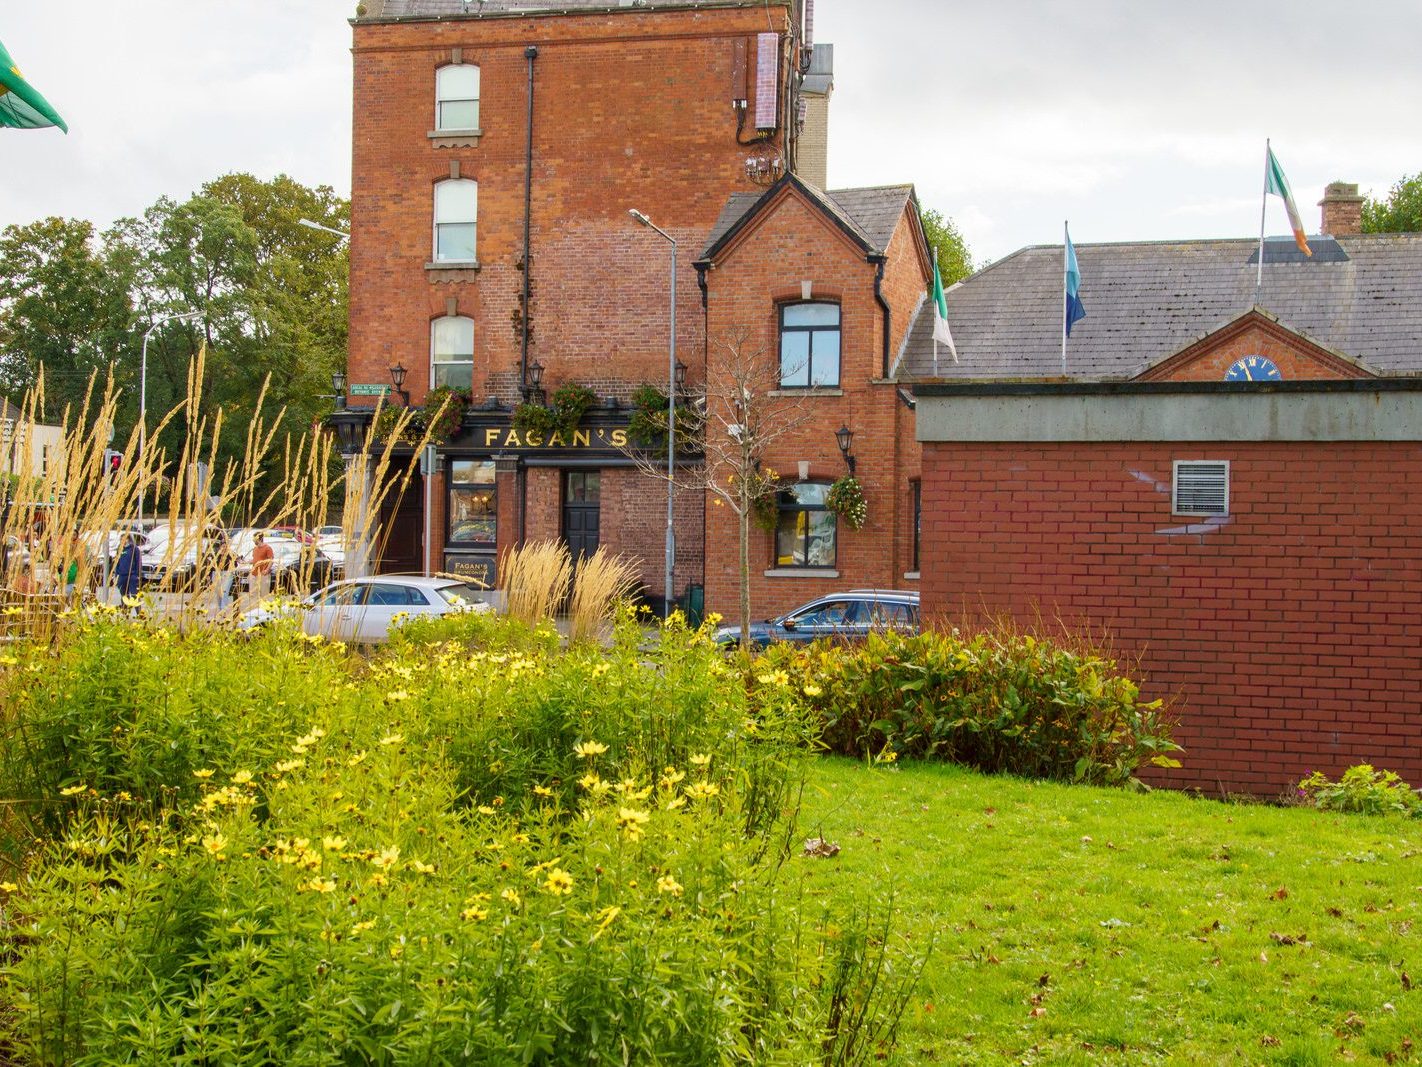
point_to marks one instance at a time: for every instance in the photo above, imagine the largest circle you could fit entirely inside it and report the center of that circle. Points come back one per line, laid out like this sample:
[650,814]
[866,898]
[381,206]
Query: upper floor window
[804,529]
[457,97]
[452,352]
[809,345]
[456,207]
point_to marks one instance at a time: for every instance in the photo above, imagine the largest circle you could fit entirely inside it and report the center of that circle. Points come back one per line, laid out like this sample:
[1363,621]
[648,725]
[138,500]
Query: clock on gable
[1253,369]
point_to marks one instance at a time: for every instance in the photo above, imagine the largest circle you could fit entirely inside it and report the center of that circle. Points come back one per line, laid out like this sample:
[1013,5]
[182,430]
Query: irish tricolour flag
[1276,183]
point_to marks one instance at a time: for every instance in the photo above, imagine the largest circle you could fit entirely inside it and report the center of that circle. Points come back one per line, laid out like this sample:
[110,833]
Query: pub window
[473,503]
[456,204]
[805,528]
[809,345]
[452,352]
[457,97]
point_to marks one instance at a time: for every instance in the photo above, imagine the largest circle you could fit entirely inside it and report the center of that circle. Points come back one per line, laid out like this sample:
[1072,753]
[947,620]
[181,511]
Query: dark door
[580,512]
[402,529]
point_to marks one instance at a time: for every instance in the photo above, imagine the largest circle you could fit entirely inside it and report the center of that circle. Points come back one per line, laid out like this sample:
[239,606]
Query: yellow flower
[703,790]
[242,777]
[214,843]
[668,884]
[377,879]
[395,696]
[357,759]
[420,868]
[388,857]
[675,802]
[601,669]
[333,844]
[73,790]
[320,885]
[606,917]
[542,791]
[511,895]
[206,772]
[519,839]
[701,759]
[589,749]
[289,765]
[559,882]
[474,913]
[8,887]
[812,690]
[362,927]
[670,777]
[630,822]
[392,739]
[484,809]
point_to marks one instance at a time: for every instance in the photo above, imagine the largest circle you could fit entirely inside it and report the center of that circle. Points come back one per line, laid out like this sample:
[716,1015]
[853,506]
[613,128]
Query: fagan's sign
[506,437]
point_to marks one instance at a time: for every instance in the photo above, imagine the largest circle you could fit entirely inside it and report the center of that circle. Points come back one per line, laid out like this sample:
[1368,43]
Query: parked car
[364,609]
[297,566]
[846,616]
[178,553]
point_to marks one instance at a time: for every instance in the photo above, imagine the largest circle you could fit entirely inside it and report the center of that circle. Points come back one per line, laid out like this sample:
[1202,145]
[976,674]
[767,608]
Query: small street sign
[359,389]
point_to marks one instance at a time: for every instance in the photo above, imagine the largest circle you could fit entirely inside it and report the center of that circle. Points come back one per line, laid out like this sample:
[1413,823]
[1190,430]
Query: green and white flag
[941,333]
[21,107]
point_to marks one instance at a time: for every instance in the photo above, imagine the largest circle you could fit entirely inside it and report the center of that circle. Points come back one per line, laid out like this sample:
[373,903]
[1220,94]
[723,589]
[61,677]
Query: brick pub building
[1226,484]
[498,149]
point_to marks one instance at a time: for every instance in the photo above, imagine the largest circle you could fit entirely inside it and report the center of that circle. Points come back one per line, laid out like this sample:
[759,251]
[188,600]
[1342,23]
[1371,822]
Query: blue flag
[1075,309]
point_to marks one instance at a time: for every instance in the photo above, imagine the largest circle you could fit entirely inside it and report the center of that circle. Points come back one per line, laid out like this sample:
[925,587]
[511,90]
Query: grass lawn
[1080,925]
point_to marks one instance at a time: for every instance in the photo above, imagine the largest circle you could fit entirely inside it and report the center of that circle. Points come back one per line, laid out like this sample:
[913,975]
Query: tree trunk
[743,524]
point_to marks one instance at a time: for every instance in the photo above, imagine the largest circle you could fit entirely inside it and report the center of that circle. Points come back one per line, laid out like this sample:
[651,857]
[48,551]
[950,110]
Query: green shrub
[497,854]
[1361,789]
[1001,702]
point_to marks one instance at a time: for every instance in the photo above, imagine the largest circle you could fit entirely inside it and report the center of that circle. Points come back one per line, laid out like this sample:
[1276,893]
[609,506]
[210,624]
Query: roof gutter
[879,261]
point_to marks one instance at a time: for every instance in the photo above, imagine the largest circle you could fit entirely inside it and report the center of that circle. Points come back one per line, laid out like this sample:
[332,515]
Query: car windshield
[458,594]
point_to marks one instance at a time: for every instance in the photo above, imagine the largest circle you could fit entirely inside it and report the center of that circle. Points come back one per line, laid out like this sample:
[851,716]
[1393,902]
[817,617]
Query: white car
[363,609]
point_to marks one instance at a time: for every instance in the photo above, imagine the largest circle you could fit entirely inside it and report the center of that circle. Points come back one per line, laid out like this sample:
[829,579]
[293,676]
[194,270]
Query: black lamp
[397,376]
[844,436]
[338,388]
[679,375]
[533,387]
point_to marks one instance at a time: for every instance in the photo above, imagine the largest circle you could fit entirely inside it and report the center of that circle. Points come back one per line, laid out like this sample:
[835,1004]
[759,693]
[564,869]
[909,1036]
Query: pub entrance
[581,511]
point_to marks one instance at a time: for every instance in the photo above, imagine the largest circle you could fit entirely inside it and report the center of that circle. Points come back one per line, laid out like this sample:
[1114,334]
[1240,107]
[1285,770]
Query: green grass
[1080,925]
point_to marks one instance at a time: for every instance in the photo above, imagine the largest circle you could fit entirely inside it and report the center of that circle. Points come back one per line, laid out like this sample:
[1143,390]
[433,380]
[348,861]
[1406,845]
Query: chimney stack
[1342,209]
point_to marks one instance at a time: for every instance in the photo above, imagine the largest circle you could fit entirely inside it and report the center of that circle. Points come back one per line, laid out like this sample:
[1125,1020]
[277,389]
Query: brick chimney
[1342,209]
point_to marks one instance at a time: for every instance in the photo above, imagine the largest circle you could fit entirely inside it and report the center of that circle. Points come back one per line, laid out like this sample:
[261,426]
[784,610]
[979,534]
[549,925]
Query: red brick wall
[1296,359]
[790,244]
[1289,635]
[632,110]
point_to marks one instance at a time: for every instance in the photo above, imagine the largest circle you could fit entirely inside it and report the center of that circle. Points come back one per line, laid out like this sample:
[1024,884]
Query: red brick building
[499,147]
[1225,485]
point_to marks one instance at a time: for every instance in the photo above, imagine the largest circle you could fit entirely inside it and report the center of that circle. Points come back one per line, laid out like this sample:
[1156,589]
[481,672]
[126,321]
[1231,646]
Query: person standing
[128,571]
[262,556]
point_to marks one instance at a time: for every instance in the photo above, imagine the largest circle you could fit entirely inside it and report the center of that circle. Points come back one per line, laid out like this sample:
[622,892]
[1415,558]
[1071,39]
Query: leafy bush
[472,847]
[996,701]
[1361,789]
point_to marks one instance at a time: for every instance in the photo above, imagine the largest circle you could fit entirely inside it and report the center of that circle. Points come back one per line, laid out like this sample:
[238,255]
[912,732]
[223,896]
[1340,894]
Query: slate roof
[396,9]
[871,214]
[1146,301]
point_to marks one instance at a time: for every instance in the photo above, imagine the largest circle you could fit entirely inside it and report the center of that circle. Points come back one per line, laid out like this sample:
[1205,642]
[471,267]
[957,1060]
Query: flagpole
[1263,208]
[1066,239]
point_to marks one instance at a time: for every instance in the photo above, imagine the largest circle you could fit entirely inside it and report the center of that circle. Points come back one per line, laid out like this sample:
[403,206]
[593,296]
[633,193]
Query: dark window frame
[787,506]
[453,486]
[916,496]
[809,371]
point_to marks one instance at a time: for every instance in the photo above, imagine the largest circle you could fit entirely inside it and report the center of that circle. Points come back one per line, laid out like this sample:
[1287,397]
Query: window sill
[910,576]
[453,264]
[802,572]
[818,390]
[455,138]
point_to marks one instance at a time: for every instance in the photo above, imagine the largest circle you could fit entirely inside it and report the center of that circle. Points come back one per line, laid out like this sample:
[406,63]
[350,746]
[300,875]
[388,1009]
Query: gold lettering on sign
[491,434]
[556,441]
[534,439]
[581,439]
[619,438]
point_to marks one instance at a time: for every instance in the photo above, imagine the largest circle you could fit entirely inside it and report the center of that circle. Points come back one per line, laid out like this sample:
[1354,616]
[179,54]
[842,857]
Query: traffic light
[113,462]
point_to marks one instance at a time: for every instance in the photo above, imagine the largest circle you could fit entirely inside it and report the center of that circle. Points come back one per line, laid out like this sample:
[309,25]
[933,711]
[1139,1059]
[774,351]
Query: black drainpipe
[879,262]
[701,269]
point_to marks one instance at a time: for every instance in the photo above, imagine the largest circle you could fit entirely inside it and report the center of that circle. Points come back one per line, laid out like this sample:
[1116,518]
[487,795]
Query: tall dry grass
[62,510]
[536,578]
[599,582]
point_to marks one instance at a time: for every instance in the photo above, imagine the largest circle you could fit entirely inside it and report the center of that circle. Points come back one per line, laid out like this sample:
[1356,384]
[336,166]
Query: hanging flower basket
[846,499]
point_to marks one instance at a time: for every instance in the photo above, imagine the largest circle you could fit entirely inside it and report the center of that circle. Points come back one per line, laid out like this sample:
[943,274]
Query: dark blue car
[848,616]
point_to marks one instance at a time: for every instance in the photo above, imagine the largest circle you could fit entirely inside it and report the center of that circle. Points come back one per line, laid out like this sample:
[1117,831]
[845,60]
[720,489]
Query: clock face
[1252,369]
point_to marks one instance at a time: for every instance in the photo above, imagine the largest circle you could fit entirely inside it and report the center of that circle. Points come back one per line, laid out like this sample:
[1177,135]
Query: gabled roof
[868,215]
[1145,301]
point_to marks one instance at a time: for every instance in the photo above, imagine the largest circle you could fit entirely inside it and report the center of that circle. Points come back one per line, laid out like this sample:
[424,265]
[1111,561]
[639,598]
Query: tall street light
[328,229]
[143,399]
[671,413]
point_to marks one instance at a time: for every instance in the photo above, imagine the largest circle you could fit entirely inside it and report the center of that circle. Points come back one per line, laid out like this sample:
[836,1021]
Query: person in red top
[262,556]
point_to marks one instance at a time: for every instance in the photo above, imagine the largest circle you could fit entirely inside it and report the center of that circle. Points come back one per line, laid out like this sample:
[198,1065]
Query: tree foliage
[270,296]
[955,262]
[1399,212]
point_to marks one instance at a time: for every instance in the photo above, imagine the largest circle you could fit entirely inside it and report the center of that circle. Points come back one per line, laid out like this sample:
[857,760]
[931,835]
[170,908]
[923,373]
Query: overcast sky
[1135,119]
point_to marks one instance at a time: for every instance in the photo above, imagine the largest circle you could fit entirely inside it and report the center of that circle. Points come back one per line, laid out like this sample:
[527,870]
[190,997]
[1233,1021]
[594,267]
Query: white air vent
[1201,487]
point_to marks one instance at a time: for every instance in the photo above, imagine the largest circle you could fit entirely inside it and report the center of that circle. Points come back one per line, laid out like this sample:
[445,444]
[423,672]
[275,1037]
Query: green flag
[20,106]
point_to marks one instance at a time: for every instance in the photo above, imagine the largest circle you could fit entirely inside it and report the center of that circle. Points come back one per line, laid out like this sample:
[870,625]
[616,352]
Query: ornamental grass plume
[600,581]
[537,578]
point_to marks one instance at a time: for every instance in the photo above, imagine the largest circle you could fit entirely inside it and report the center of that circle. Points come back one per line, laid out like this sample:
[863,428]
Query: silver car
[362,610]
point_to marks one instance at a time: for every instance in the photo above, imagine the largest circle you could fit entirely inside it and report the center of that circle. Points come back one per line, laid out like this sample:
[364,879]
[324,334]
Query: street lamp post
[317,226]
[671,415]
[143,401]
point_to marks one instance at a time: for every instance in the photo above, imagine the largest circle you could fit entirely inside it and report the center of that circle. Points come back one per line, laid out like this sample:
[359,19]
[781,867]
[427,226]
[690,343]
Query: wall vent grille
[1201,487]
